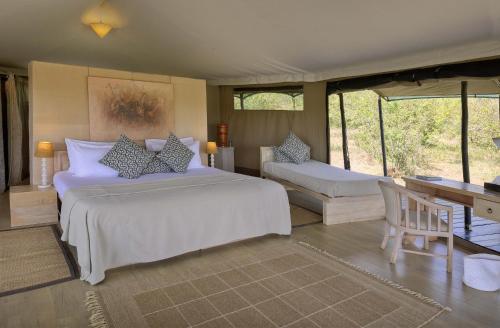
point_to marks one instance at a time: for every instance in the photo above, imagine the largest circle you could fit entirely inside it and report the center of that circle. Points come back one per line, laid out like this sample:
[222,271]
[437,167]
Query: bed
[347,196]
[114,222]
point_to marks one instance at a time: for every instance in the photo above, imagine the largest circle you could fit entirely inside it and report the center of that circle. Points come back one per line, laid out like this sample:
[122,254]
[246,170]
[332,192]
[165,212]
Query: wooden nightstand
[30,205]
[224,159]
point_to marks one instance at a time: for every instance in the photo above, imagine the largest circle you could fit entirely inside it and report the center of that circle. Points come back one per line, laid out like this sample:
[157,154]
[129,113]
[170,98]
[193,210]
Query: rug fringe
[97,318]
[388,282]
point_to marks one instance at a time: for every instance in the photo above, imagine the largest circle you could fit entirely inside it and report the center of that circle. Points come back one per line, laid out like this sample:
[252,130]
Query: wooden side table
[31,206]
[224,159]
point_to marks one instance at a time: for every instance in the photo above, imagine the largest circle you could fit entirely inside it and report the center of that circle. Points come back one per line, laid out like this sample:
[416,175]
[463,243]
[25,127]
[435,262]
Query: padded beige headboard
[61,161]
[266,155]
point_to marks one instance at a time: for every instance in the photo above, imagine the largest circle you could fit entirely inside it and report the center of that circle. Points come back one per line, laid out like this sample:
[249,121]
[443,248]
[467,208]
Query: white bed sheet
[326,179]
[64,180]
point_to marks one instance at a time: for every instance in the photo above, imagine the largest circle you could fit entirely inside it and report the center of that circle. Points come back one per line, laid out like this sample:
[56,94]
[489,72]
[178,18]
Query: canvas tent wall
[250,129]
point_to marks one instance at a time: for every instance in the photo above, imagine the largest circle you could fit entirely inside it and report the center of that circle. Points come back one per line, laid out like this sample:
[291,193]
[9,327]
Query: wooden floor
[62,305]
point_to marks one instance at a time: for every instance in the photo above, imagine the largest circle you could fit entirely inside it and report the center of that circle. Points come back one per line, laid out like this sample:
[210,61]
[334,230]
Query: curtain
[23,103]
[16,112]
[3,183]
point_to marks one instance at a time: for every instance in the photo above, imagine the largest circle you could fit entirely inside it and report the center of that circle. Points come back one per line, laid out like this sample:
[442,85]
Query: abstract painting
[138,109]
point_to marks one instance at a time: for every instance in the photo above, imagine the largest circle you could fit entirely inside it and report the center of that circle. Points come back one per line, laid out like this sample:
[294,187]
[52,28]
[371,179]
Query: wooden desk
[485,203]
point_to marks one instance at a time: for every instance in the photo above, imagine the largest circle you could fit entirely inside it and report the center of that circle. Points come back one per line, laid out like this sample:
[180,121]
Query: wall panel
[59,104]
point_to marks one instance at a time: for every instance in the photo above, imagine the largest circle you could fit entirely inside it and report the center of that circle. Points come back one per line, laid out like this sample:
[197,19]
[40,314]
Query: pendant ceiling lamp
[101,29]
[103,18]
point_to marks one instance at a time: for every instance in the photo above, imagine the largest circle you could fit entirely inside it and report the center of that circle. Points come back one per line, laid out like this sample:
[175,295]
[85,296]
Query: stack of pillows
[293,150]
[127,159]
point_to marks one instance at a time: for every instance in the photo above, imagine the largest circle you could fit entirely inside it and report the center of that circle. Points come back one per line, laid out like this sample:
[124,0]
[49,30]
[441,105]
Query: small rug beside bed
[32,258]
[267,282]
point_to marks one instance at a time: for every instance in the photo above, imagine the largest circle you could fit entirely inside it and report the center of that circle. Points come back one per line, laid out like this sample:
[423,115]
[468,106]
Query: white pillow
[196,160]
[193,145]
[84,158]
[157,144]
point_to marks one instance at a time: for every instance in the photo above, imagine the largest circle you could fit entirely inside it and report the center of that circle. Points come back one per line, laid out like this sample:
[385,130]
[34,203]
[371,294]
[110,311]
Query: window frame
[292,91]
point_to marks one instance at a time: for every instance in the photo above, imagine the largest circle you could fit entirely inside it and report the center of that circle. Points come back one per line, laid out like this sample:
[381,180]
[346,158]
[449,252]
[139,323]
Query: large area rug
[32,258]
[266,282]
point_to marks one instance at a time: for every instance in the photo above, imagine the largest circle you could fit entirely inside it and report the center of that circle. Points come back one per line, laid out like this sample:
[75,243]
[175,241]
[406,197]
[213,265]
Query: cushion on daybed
[295,149]
[279,156]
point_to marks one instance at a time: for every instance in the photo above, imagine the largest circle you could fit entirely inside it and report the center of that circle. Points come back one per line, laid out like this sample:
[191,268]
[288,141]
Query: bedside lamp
[44,151]
[211,150]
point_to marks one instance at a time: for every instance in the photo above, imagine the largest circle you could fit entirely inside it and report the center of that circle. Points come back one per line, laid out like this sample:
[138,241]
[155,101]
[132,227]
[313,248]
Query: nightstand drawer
[30,215]
[30,205]
[486,209]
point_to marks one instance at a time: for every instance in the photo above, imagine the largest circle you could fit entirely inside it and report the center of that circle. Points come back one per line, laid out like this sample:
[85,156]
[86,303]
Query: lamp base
[44,186]
[212,160]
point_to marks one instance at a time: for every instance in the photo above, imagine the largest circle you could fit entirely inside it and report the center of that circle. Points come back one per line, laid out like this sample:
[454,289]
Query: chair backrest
[392,200]
[394,197]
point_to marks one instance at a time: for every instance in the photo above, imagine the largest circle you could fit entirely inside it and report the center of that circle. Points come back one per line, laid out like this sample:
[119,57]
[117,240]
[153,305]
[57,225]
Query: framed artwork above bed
[139,109]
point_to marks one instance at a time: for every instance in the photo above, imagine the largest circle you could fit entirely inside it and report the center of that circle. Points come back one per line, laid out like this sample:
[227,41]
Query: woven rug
[32,258]
[267,282]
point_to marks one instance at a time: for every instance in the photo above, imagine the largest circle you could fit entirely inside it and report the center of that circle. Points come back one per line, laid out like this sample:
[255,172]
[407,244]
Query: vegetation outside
[422,136]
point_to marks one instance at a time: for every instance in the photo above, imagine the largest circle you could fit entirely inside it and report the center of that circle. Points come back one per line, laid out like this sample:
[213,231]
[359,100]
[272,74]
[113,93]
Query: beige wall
[59,104]
[251,129]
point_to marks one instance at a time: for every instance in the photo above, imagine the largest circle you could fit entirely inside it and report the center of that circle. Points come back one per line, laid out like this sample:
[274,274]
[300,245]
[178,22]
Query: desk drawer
[486,209]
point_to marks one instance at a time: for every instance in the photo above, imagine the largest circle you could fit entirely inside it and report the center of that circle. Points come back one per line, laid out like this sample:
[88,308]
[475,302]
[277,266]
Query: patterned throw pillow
[175,154]
[279,156]
[156,166]
[128,158]
[295,149]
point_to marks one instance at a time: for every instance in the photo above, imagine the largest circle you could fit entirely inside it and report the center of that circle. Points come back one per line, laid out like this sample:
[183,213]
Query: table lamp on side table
[212,150]
[44,151]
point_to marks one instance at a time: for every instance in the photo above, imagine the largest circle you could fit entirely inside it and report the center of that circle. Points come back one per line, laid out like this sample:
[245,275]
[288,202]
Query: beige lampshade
[44,149]
[211,147]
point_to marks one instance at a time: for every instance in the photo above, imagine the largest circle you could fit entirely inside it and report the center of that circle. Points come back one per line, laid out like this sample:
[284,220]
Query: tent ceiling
[254,41]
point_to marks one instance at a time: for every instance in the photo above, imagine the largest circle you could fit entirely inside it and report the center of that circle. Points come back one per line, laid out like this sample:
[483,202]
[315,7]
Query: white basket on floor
[482,271]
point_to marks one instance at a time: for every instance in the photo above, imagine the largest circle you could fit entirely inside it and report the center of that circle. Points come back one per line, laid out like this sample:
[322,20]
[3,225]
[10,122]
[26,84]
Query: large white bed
[114,221]
[347,196]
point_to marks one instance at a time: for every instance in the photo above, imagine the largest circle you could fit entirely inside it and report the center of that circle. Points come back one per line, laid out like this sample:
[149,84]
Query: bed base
[335,209]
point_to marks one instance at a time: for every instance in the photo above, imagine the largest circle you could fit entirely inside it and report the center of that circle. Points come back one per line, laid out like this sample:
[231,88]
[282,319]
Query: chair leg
[449,262]
[397,245]
[426,242]
[387,234]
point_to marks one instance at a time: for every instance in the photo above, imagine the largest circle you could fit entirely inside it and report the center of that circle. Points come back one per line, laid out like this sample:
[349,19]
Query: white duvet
[117,225]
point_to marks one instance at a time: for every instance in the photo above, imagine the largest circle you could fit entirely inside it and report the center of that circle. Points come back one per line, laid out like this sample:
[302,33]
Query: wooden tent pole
[382,138]
[465,148]
[345,147]
[328,149]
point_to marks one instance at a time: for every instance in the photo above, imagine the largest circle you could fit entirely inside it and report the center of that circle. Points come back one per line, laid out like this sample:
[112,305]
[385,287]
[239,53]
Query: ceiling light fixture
[102,19]
[101,29]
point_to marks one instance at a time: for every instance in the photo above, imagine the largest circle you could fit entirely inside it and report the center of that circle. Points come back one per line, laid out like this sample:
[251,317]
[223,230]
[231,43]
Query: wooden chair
[419,217]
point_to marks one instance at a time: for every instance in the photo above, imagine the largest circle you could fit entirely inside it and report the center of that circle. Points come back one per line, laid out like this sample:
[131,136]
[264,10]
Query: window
[272,98]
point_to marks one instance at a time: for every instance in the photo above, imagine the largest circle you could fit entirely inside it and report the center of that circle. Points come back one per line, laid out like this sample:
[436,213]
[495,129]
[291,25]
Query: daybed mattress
[115,224]
[325,179]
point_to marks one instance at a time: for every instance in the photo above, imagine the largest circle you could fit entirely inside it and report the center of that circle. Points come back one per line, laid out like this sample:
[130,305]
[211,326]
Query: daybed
[347,196]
